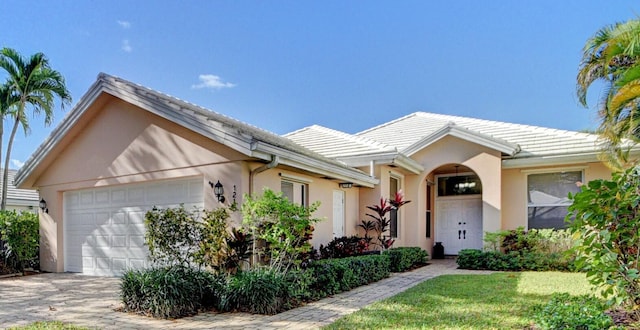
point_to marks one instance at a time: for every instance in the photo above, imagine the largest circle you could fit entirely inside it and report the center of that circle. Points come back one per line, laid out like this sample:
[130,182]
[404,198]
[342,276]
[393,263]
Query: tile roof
[247,139]
[17,196]
[336,144]
[533,141]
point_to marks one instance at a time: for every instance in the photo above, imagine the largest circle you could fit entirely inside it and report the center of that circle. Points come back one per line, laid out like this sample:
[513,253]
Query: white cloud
[17,163]
[212,81]
[124,24]
[126,46]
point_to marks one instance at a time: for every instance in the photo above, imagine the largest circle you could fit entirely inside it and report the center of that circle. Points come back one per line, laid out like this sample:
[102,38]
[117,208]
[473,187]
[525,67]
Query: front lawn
[496,301]
[48,325]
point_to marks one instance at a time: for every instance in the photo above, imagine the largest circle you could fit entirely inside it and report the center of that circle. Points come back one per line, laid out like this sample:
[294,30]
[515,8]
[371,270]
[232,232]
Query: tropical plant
[31,83]
[341,247]
[238,249]
[171,291]
[612,57]
[607,224]
[284,227]
[380,221]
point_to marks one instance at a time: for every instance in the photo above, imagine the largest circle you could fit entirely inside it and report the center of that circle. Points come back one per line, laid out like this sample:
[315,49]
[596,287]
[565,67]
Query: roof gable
[244,138]
[451,129]
[414,130]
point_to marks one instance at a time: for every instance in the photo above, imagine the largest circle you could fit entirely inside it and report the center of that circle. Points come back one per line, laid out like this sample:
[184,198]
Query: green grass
[48,325]
[496,301]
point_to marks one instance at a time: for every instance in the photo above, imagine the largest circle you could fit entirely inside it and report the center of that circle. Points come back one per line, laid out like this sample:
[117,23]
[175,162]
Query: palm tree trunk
[1,135]
[5,177]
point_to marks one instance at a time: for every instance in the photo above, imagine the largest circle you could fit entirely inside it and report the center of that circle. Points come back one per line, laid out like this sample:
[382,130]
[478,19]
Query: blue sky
[347,65]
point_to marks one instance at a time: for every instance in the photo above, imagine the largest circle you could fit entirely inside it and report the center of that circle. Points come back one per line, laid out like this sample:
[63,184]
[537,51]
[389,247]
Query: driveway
[91,301]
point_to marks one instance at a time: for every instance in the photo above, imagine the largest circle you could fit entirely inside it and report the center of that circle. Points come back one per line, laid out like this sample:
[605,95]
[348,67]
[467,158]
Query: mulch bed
[623,318]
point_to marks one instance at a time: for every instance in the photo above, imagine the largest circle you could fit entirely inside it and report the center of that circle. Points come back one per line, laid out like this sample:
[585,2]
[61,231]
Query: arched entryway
[458,208]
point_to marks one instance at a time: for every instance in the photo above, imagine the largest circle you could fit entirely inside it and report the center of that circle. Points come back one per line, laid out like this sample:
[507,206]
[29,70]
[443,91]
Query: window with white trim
[394,215]
[548,200]
[295,192]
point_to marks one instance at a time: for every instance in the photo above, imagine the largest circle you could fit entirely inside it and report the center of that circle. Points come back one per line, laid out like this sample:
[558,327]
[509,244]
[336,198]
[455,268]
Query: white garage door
[104,227]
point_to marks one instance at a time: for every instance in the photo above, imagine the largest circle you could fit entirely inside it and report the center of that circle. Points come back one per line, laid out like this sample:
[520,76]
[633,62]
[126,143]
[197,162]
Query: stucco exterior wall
[122,144]
[320,190]
[514,188]
[485,162]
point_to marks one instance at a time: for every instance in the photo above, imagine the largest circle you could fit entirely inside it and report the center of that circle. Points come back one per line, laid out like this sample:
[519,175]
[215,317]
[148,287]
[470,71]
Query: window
[548,198]
[295,192]
[394,187]
[469,184]
[428,211]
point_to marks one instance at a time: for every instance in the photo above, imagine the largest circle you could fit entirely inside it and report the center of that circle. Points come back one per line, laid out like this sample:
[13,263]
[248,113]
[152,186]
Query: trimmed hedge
[170,292]
[177,291]
[331,276]
[406,258]
[514,261]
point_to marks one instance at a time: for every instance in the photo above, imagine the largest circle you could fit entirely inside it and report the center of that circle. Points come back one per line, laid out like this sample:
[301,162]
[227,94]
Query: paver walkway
[90,301]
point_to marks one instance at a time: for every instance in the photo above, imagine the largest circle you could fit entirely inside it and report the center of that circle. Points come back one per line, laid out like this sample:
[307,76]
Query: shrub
[285,227]
[333,276]
[471,259]
[341,247]
[170,291]
[573,312]
[20,234]
[404,258]
[176,236]
[514,260]
[258,291]
[607,221]
[172,236]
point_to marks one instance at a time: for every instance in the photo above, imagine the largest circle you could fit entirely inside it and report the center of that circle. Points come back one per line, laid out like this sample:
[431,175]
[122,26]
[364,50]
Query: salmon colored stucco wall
[320,190]
[122,144]
[514,188]
[485,162]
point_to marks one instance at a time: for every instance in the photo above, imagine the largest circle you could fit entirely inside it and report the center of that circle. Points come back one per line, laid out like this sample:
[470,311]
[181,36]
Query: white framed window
[394,215]
[296,192]
[547,195]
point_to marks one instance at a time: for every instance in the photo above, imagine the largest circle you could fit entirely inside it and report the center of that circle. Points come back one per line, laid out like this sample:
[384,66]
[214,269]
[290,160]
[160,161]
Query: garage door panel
[119,218]
[104,227]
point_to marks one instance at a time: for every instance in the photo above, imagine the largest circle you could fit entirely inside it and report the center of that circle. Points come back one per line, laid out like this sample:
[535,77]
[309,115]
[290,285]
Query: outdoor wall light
[43,206]
[218,190]
[345,184]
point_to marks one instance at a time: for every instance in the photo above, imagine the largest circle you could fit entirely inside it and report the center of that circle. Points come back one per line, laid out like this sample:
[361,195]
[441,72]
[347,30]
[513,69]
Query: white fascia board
[385,158]
[314,165]
[203,126]
[464,134]
[550,160]
[408,164]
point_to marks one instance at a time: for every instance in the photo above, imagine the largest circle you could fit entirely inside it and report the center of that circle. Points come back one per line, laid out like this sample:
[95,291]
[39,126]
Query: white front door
[338,213]
[104,227]
[459,223]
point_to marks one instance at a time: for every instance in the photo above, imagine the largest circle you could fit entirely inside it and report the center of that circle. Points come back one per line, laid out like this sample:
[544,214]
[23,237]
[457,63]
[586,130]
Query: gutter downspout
[372,171]
[274,162]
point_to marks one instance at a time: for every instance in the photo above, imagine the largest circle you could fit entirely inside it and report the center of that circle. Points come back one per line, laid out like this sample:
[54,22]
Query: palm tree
[612,56]
[31,83]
